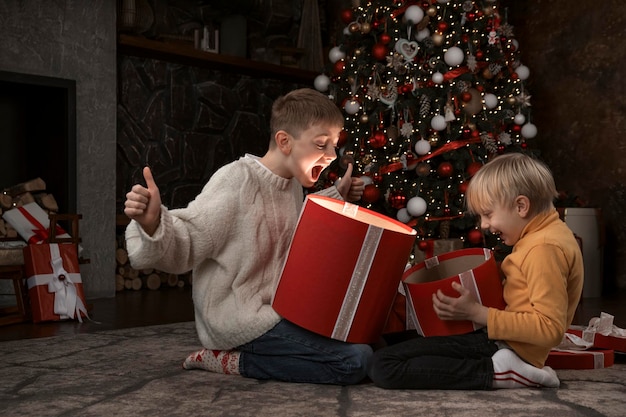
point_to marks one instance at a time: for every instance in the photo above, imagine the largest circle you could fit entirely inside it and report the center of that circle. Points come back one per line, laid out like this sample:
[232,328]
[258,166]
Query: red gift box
[475,269]
[54,283]
[343,269]
[580,359]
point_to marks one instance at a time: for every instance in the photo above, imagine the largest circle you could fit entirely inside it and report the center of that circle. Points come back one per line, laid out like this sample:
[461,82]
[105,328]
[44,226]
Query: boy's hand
[144,204]
[464,307]
[351,189]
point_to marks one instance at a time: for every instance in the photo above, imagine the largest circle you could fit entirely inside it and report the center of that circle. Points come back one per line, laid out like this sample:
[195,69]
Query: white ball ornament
[352,106]
[403,215]
[321,82]
[422,147]
[422,34]
[454,56]
[414,14]
[529,131]
[491,101]
[335,54]
[416,206]
[438,122]
[437,77]
[522,72]
[519,119]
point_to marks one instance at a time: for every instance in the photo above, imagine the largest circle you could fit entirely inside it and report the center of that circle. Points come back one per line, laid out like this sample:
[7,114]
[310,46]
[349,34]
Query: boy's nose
[331,154]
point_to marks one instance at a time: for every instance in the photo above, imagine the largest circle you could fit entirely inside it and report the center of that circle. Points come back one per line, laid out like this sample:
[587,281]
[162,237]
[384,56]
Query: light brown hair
[504,178]
[300,109]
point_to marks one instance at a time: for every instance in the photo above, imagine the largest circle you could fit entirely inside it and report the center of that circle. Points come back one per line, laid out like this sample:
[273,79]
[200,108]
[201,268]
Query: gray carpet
[136,372]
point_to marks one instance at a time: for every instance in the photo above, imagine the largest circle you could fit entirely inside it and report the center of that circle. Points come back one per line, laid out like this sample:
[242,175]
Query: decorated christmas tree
[431,90]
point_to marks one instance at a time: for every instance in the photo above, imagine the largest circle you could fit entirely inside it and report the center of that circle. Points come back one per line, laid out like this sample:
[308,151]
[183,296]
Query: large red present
[342,270]
[54,283]
[580,359]
[474,268]
[32,223]
[602,333]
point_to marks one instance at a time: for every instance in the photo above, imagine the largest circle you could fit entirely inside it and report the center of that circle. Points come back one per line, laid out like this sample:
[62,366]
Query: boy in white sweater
[235,236]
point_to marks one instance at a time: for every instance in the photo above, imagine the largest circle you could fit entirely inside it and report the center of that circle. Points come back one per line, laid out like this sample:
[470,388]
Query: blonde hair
[508,176]
[301,109]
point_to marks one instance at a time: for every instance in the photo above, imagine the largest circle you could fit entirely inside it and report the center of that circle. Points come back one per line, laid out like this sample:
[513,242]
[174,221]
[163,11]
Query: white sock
[510,371]
[219,361]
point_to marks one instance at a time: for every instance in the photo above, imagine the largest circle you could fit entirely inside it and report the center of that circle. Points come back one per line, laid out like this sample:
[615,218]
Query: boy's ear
[283,141]
[523,205]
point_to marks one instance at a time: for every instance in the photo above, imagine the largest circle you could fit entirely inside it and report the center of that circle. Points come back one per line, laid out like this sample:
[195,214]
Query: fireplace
[38,134]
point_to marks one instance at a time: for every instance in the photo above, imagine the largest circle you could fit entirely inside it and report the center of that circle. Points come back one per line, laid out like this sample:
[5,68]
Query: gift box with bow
[602,333]
[32,223]
[576,353]
[342,270]
[474,268]
[54,283]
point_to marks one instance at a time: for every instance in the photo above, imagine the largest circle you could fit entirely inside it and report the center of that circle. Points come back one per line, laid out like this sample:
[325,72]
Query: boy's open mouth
[316,171]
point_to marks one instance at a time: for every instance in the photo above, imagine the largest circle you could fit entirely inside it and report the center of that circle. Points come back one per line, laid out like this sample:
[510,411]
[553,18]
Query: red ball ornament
[445,169]
[377,177]
[371,193]
[378,139]
[473,168]
[397,200]
[332,176]
[380,51]
[346,16]
[480,55]
[475,236]
[339,67]
[385,38]
[466,97]
[516,128]
[463,187]
[514,76]
[442,26]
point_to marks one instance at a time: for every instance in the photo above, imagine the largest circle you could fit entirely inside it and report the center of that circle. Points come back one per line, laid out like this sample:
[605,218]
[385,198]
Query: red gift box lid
[583,359]
[599,340]
[474,268]
[343,269]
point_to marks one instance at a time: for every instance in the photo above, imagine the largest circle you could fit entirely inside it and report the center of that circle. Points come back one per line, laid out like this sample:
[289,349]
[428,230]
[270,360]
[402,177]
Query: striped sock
[510,371]
[218,361]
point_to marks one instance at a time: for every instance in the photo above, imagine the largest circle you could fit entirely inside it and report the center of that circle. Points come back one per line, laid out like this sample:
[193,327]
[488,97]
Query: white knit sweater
[235,236]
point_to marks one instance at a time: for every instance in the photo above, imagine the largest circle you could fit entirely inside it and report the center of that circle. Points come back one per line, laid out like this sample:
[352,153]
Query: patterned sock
[510,371]
[219,361]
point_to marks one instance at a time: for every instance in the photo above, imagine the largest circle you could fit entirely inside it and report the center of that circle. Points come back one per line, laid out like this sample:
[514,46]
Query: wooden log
[121,256]
[180,283]
[6,201]
[119,282]
[21,199]
[172,280]
[128,284]
[36,184]
[153,281]
[136,283]
[48,201]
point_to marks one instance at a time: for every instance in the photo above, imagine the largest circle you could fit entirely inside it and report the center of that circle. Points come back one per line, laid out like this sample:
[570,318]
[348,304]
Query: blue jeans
[439,362]
[293,354]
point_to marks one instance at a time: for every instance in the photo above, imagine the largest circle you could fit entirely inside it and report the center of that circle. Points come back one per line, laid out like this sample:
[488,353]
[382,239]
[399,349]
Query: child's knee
[356,363]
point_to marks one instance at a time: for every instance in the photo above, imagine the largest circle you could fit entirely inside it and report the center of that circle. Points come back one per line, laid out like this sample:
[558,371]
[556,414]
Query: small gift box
[580,359]
[32,223]
[602,333]
[474,268]
[54,283]
[342,270]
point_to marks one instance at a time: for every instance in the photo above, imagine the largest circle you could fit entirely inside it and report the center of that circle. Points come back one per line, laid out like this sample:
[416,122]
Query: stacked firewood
[128,278]
[21,194]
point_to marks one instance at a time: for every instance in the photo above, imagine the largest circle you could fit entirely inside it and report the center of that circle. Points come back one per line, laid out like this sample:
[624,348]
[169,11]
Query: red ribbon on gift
[40,234]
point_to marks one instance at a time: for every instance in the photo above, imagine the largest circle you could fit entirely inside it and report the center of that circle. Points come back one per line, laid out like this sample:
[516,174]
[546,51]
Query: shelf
[183,53]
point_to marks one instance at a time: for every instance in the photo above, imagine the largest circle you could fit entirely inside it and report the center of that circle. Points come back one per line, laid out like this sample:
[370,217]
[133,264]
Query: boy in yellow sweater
[513,194]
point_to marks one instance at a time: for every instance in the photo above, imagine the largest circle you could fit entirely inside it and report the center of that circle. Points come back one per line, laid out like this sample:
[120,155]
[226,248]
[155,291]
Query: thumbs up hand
[143,204]
[350,188]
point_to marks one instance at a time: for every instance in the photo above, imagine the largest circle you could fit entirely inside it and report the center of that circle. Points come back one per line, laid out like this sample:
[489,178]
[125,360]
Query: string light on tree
[430,92]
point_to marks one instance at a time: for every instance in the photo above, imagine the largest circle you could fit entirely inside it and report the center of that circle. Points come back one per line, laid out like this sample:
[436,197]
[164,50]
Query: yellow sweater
[542,288]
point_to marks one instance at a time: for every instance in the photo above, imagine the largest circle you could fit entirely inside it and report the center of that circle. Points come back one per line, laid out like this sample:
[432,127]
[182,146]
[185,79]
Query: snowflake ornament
[505,138]
[407,129]
[471,62]
[523,99]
